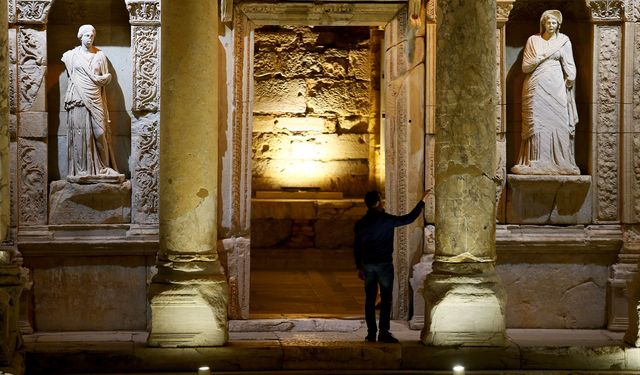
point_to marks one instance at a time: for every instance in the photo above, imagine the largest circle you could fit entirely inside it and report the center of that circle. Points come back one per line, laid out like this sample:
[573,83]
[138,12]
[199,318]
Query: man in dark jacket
[373,252]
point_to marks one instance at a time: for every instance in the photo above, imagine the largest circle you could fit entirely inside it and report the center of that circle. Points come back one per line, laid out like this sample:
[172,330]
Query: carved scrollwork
[145,189]
[33,183]
[632,10]
[146,75]
[144,12]
[32,11]
[31,71]
[606,10]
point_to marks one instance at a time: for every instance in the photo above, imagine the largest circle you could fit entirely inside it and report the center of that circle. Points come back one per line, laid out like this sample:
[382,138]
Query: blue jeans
[378,274]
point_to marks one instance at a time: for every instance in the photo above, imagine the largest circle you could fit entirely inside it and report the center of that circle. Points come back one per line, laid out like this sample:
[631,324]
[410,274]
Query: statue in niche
[90,158]
[549,114]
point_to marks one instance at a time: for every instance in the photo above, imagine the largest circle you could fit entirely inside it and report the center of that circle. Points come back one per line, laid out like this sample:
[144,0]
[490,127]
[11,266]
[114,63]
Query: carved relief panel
[606,112]
[144,17]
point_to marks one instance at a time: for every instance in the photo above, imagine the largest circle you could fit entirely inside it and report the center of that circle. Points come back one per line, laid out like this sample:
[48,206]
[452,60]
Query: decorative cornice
[32,11]
[144,12]
[606,10]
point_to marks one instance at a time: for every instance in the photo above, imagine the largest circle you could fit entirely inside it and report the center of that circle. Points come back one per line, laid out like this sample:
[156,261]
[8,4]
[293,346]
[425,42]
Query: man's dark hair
[372,198]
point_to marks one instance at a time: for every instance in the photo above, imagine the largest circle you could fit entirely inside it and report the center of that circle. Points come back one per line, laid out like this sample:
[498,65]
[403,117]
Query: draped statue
[549,114]
[90,158]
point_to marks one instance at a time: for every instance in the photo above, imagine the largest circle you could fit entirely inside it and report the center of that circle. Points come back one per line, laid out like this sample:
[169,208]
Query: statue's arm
[104,77]
[568,64]
[530,59]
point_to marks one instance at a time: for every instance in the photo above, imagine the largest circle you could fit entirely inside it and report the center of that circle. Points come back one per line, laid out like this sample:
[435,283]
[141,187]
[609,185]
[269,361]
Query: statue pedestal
[101,203]
[543,199]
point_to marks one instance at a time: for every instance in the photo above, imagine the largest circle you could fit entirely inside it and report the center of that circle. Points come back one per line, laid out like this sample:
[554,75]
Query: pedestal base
[465,306]
[189,313]
[102,203]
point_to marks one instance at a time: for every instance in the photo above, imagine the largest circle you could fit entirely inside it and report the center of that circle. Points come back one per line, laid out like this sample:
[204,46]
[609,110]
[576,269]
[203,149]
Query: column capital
[431,11]
[29,11]
[503,9]
[606,10]
[144,12]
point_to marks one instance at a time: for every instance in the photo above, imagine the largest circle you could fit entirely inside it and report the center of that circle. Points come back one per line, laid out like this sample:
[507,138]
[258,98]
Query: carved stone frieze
[30,78]
[606,10]
[31,48]
[32,11]
[636,82]
[145,134]
[32,188]
[144,12]
[13,98]
[146,72]
[631,10]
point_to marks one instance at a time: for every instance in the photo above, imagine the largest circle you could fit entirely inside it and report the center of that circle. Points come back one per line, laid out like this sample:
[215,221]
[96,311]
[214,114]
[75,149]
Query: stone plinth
[10,288]
[101,203]
[535,199]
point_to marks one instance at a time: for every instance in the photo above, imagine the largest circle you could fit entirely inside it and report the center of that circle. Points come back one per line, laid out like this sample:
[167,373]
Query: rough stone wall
[313,117]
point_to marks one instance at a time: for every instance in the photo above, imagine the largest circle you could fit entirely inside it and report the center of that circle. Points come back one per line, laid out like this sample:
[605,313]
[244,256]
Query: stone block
[283,209]
[99,292]
[547,295]
[343,98]
[533,199]
[300,124]
[280,96]
[360,65]
[323,147]
[100,203]
[188,314]
[33,124]
[332,233]
[269,232]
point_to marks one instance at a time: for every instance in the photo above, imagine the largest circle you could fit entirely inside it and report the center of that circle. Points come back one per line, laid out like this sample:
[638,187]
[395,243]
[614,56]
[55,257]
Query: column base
[465,306]
[189,313]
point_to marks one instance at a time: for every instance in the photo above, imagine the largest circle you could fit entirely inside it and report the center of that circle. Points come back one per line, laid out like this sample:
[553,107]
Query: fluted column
[465,299]
[189,294]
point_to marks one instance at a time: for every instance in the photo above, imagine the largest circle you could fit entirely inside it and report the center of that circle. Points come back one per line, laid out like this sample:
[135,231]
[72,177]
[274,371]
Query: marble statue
[90,158]
[549,114]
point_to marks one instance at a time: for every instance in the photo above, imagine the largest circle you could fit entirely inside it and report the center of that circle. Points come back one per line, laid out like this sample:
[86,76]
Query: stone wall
[315,109]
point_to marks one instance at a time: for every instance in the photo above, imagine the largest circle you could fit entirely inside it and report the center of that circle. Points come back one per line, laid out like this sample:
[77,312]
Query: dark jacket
[373,242]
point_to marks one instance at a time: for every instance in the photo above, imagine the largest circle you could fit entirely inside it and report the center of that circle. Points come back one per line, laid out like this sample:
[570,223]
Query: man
[373,252]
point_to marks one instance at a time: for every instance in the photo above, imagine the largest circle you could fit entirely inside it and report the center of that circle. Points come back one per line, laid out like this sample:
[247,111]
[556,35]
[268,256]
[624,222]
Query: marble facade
[601,230]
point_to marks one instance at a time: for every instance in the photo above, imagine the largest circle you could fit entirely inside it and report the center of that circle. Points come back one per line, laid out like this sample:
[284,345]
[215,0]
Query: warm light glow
[204,370]
[458,370]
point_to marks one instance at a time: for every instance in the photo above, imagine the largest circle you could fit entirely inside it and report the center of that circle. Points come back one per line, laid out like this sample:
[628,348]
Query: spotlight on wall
[458,370]
[204,370]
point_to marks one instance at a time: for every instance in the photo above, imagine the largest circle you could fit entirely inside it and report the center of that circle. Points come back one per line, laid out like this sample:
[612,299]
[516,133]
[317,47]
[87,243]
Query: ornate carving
[144,12]
[33,183]
[607,180]
[636,122]
[30,70]
[145,183]
[402,206]
[503,8]
[146,73]
[32,11]
[608,81]
[13,98]
[431,10]
[608,71]
[11,7]
[606,10]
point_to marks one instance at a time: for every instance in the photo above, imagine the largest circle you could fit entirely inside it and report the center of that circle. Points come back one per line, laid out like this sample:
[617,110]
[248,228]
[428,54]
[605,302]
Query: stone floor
[329,346]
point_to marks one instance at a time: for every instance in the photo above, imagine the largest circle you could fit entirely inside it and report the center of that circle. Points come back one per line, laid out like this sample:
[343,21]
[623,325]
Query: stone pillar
[10,284]
[464,296]
[144,16]
[189,294]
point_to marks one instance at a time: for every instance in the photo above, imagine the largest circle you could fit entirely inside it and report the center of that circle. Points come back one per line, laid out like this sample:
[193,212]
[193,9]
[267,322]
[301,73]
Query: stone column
[189,294]
[464,296]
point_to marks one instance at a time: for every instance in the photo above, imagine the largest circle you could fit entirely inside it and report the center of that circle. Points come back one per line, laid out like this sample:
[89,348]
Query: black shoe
[387,338]
[370,337]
